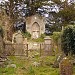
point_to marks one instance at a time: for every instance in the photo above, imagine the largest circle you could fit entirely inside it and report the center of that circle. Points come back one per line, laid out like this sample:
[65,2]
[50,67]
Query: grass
[37,40]
[24,66]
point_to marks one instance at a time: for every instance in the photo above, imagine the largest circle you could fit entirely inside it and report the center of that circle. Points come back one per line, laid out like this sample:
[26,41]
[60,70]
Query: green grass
[37,40]
[25,67]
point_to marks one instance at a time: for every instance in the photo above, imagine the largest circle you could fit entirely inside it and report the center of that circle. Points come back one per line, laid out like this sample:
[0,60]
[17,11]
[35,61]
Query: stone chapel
[35,25]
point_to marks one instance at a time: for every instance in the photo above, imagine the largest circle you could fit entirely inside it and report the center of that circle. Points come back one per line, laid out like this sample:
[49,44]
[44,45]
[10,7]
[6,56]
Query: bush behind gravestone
[56,36]
[27,35]
[68,40]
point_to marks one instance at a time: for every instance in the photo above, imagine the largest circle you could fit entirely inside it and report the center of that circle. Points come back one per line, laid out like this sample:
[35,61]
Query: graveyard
[33,57]
[37,37]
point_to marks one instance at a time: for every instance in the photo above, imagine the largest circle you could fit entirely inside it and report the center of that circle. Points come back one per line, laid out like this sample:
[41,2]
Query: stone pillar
[47,46]
[25,45]
[66,67]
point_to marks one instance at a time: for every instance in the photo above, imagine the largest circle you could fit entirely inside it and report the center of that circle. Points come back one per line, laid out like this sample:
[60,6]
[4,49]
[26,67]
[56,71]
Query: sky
[3,0]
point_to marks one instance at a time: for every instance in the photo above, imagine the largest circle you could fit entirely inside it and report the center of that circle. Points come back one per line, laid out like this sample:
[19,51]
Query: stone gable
[35,25]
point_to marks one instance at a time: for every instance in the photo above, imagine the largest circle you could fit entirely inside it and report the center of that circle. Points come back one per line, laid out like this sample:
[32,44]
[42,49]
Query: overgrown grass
[24,66]
[40,39]
[37,40]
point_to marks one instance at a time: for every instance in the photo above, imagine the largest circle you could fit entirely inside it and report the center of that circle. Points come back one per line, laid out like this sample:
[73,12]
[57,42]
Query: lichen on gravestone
[66,67]
[48,46]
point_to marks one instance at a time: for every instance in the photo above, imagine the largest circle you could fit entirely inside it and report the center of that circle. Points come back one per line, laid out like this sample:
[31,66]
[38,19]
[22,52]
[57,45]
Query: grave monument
[35,25]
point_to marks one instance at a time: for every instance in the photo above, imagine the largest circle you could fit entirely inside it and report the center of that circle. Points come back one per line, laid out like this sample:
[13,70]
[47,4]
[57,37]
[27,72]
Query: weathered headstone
[17,38]
[58,60]
[17,42]
[66,67]
[47,46]
[9,50]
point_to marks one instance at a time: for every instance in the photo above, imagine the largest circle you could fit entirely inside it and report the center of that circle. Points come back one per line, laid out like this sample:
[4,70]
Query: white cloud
[3,1]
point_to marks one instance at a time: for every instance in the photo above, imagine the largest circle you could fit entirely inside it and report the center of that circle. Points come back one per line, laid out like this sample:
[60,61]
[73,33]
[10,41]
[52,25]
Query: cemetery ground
[32,65]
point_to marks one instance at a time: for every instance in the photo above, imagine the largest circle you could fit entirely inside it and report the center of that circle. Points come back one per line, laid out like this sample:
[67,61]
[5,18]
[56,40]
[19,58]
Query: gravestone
[9,50]
[66,67]
[58,60]
[47,46]
[17,42]
[17,38]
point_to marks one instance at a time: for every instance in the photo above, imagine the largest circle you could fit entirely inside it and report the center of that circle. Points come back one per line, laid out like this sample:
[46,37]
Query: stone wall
[35,46]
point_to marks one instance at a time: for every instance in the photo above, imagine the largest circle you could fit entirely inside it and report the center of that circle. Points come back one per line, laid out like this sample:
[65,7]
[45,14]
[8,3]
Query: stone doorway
[35,30]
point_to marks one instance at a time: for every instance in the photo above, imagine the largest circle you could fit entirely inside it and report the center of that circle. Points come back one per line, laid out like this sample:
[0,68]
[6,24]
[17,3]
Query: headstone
[17,38]
[66,67]
[58,60]
[47,46]
[9,50]
[17,42]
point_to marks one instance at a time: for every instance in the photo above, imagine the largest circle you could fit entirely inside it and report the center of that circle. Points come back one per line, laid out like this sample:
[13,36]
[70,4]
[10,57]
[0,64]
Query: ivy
[68,40]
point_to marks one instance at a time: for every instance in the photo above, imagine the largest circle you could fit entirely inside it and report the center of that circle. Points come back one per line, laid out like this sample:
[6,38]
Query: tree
[67,14]
[68,40]
[20,9]
[15,8]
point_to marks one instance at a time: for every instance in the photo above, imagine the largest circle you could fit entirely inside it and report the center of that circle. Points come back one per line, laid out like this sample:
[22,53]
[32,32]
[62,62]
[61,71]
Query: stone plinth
[47,46]
[65,67]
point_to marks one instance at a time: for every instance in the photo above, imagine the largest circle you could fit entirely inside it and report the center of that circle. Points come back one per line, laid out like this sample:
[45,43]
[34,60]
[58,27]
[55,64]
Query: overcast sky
[3,0]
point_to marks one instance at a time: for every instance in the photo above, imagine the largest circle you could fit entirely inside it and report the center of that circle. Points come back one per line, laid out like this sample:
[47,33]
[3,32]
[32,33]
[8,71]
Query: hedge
[68,40]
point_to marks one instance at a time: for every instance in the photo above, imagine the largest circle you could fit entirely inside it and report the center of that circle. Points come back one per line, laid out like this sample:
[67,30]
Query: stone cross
[65,67]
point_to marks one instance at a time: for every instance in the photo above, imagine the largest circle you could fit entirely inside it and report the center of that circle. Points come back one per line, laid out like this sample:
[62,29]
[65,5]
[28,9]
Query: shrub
[68,40]
[42,36]
[56,36]
[27,35]
[31,71]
